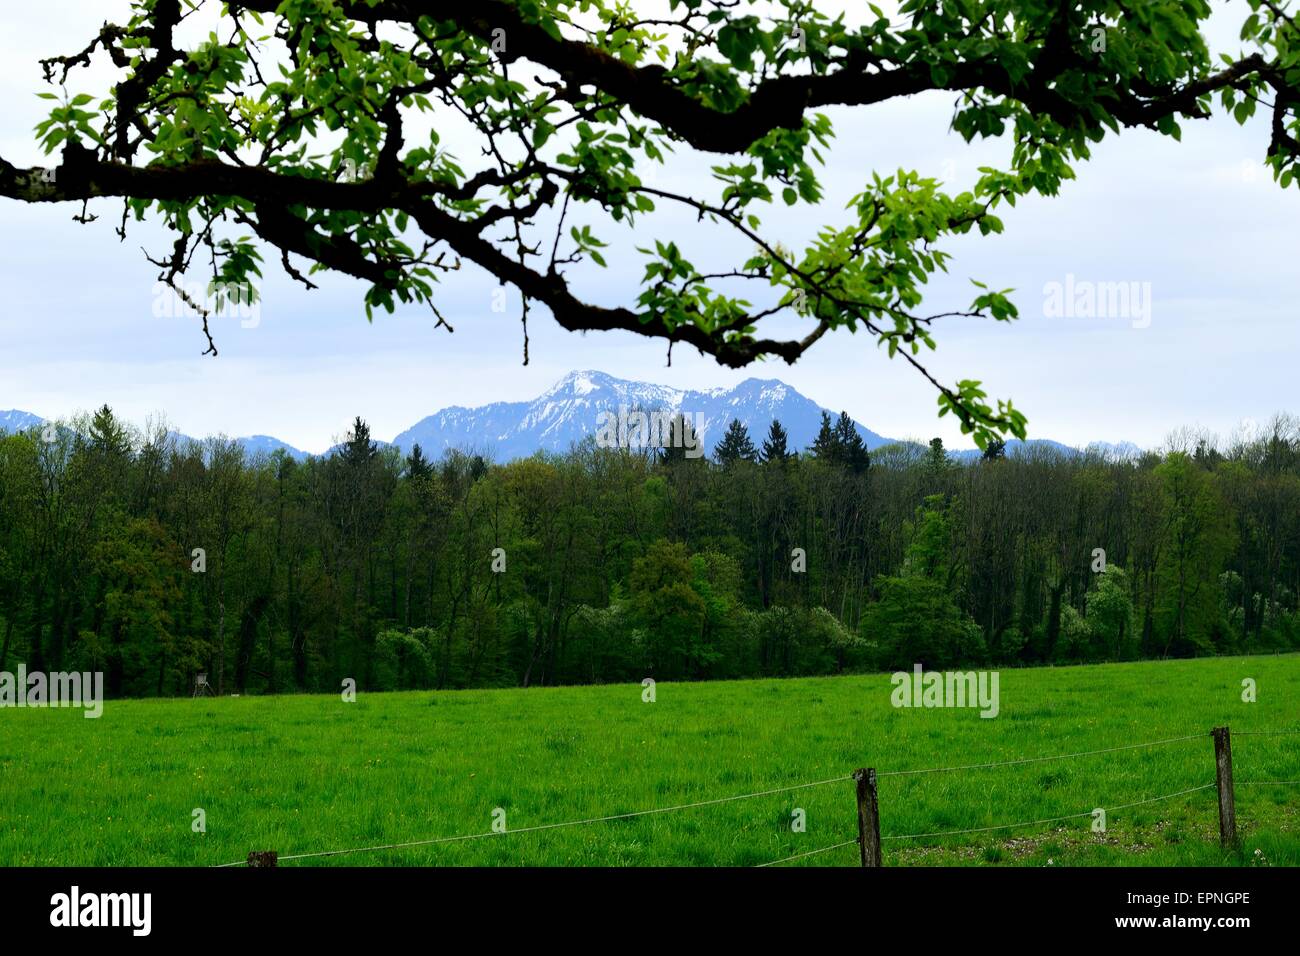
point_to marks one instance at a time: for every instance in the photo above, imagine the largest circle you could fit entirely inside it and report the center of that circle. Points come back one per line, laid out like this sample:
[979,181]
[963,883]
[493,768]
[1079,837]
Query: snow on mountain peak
[572,410]
[582,382]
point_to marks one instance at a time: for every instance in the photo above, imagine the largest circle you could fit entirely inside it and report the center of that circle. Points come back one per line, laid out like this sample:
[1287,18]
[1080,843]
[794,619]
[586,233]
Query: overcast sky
[1200,224]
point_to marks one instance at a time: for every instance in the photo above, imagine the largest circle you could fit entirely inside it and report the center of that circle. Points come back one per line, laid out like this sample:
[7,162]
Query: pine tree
[825,446]
[776,445]
[681,443]
[852,449]
[995,450]
[417,466]
[735,445]
[110,453]
[936,460]
[359,449]
[107,435]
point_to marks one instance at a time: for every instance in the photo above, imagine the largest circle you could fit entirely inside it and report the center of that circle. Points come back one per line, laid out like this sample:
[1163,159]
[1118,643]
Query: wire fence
[1024,760]
[1034,823]
[800,856]
[566,823]
[833,780]
[1268,783]
[1003,826]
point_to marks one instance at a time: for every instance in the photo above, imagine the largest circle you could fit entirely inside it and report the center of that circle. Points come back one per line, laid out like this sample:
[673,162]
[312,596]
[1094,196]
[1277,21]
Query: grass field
[301,774]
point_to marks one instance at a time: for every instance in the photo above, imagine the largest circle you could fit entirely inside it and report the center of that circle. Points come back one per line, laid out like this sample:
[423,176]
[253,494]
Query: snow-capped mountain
[575,407]
[15,420]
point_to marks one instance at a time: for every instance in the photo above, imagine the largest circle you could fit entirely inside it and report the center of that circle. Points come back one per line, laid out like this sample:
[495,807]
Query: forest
[154,559]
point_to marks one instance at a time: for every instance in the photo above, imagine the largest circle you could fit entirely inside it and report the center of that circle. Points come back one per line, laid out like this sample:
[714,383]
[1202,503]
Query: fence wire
[800,856]
[1024,760]
[556,826]
[820,783]
[1265,783]
[1004,826]
[1032,823]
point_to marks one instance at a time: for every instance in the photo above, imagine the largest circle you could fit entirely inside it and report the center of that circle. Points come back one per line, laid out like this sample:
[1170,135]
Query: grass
[302,774]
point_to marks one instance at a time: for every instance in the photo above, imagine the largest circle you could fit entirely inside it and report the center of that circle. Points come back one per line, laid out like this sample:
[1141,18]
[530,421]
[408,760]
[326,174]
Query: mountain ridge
[574,407]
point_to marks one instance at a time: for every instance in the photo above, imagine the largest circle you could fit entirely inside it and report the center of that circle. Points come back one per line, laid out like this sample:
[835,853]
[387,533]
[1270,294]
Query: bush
[916,622]
[403,660]
[1074,645]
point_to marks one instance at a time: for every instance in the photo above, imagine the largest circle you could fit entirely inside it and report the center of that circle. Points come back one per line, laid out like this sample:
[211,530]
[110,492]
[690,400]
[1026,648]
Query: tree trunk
[221,635]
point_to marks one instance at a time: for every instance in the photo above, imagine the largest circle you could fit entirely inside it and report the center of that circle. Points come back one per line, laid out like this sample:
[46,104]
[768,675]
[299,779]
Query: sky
[1207,240]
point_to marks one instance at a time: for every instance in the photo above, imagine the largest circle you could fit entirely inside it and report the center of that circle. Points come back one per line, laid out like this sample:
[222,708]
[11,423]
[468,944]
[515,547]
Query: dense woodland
[615,565]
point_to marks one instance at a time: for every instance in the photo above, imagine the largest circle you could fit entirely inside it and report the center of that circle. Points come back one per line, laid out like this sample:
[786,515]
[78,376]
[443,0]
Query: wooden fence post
[868,816]
[1223,776]
[263,858]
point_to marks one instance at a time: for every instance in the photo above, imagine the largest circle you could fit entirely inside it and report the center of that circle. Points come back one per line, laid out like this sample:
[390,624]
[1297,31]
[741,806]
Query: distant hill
[265,444]
[15,420]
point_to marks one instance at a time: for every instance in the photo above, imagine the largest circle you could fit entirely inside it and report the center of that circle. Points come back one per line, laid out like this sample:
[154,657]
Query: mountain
[266,445]
[16,421]
[574,409]
[1122,449]
[1014,448]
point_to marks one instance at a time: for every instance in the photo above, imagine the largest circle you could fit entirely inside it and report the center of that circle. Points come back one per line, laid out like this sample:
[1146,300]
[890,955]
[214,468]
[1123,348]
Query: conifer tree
[417,466]
[825,447]
[852,449]
[735,445]
[995,450]
[681,443]
[776,445]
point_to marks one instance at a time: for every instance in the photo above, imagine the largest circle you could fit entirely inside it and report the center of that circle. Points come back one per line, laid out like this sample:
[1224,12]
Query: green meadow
[304,774]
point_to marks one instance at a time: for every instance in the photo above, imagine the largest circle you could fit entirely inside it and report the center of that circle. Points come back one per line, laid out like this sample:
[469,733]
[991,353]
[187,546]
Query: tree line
[154,559]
